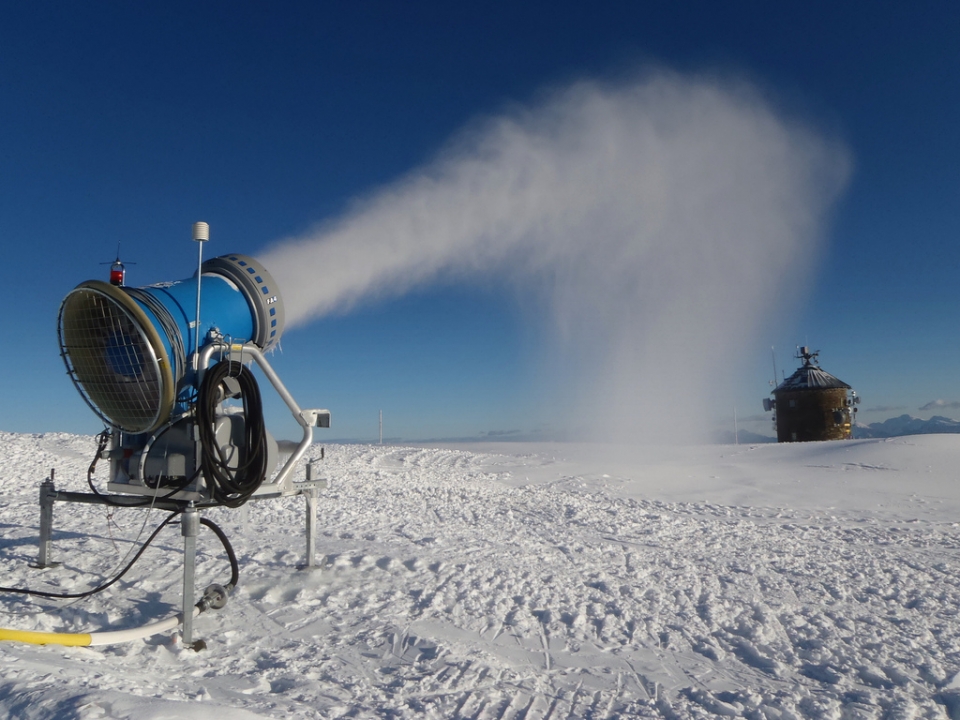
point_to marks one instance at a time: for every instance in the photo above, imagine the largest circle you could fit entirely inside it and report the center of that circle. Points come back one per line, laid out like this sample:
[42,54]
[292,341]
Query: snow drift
[781,581]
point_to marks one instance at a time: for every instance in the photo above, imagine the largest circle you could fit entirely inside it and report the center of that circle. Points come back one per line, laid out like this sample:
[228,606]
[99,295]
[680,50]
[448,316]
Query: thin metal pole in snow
[381,427]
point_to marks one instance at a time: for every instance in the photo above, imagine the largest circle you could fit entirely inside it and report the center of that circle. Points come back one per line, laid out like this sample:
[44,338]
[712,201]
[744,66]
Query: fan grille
[115,357]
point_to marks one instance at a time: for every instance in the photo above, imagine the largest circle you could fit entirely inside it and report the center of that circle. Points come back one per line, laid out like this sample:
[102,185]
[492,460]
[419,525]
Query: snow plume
[655,221]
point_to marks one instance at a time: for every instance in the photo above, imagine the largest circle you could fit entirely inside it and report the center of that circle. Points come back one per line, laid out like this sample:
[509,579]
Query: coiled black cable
[232,486]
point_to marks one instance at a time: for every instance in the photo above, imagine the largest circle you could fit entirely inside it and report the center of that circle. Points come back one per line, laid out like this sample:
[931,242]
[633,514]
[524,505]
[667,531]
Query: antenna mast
[201,234]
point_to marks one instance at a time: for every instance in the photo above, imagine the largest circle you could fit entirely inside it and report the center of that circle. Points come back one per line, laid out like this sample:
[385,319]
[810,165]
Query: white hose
[121,636]
[89,639]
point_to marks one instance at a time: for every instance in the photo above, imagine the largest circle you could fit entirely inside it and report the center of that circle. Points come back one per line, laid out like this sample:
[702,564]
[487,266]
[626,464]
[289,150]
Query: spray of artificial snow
[657,220]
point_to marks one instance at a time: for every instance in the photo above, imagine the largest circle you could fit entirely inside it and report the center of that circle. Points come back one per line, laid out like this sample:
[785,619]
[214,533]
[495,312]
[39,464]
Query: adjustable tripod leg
[48,494]
[311,497]
[189,528]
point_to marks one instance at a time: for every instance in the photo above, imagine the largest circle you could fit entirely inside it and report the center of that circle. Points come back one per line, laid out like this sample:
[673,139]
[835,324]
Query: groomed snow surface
[505,581]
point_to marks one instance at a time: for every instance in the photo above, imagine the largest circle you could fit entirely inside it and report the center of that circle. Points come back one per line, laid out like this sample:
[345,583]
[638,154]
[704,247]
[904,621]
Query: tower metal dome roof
[810,377]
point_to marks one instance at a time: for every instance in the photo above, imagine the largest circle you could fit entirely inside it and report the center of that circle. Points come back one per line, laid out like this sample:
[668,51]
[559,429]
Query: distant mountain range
[907,425]
[893,427]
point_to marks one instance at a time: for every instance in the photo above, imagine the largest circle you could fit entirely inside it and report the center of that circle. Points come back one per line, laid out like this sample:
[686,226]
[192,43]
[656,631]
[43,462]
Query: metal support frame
[282,485]
[49,494]
[189,529]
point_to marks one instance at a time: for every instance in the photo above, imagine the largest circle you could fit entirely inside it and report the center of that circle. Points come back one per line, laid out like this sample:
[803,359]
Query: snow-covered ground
[506,581]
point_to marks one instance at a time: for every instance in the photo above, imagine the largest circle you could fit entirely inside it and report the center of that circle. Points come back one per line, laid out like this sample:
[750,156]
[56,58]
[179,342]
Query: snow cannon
[169,369]
[126,349]
[164,372]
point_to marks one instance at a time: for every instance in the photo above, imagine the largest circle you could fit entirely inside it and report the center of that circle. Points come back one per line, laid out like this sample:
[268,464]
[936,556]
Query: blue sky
[127,122]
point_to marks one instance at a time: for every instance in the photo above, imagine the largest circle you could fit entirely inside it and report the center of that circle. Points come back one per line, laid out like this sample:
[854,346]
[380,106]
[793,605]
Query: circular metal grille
[115,357]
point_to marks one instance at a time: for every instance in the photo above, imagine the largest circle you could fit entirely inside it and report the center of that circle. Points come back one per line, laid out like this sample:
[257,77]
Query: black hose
[104,586]
[222,536]
[228,548]
[232,486]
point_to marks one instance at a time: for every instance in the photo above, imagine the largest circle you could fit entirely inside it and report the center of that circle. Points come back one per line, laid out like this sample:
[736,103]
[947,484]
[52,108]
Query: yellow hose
[45,638]
[98,638]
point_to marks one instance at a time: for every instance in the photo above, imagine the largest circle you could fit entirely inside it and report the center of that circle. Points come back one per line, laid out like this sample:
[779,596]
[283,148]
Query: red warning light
[117,273]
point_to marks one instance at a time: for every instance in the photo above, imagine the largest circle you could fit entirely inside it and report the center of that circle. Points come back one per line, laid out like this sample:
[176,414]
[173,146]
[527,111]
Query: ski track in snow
[452,588]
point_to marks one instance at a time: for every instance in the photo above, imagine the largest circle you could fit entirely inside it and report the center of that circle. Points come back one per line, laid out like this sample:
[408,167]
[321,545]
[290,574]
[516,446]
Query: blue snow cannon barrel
[128,349]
